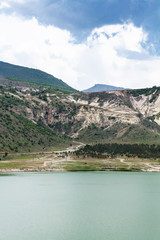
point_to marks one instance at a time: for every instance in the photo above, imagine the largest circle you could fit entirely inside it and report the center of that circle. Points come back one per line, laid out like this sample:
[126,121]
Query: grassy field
[62,161]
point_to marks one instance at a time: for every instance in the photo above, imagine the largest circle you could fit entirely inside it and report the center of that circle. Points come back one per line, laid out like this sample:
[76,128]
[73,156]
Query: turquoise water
[80,206]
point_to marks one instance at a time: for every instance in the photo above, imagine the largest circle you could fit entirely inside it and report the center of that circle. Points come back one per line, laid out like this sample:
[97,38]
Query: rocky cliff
[125,115]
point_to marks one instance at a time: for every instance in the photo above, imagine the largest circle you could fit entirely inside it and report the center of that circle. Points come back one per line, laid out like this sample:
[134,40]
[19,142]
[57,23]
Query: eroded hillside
[124,115]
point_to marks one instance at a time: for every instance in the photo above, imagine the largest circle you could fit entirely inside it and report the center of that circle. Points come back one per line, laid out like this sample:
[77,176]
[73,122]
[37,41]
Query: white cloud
[4,5]
[8,3]
[112,54]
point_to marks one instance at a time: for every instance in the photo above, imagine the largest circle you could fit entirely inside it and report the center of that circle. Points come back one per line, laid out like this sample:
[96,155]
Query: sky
[114,42]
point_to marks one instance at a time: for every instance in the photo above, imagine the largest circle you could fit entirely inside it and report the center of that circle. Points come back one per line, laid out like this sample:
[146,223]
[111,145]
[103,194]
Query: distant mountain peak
[102,88]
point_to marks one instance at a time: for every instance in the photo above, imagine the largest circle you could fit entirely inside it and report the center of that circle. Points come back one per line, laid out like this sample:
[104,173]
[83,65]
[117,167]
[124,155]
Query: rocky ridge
[71,114]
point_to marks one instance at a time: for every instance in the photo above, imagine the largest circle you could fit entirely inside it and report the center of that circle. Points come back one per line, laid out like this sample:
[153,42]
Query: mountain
[33,117]
[11,71]
[102,88]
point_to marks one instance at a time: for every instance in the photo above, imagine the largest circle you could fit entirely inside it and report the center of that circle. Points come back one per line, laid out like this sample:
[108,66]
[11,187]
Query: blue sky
[80,18]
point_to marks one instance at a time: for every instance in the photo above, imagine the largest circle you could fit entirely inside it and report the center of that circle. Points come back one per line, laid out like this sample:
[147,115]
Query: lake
[80,206]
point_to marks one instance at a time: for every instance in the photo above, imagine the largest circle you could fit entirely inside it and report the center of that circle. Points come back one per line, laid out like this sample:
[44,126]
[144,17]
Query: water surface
[80,206]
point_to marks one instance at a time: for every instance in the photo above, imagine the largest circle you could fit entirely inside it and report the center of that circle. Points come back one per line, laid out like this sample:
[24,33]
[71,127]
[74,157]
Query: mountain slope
[32,75]
[102,88]
[19,134]
[29,114]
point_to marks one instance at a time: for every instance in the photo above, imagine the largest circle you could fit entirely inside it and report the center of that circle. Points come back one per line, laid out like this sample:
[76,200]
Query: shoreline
[74,170]
[67,161]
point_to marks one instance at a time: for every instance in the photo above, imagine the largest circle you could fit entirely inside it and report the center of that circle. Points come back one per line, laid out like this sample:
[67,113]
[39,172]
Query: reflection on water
[6,174]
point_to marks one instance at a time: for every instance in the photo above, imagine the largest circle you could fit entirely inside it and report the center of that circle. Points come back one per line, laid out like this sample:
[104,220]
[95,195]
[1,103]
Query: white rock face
[84,109]
[143,105]
[115,109]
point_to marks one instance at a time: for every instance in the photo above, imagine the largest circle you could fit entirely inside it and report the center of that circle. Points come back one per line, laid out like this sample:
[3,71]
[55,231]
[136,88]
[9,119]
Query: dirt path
[152,168]
[64,160]
[60,156]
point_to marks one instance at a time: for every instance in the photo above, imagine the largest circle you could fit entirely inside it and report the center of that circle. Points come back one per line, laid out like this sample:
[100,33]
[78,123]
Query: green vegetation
[95,134]
[32,75]
[98,165]
[114,149]
[140,134]
[10,101]
[146,91]
[18,134]
[36,163]
[34,117]
[147,132]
